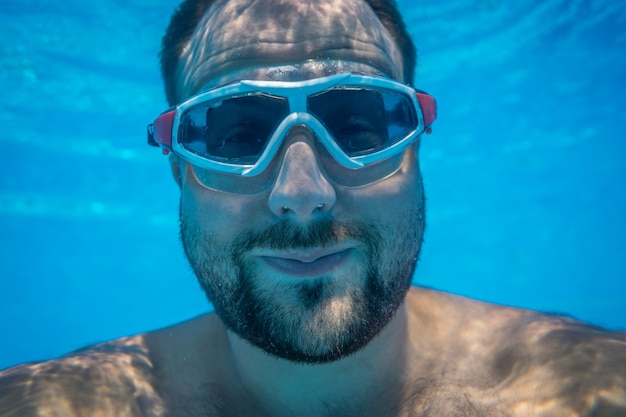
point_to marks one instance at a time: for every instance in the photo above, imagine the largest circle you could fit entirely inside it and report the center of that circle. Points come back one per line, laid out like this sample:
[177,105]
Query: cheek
[216,212]
[391,199]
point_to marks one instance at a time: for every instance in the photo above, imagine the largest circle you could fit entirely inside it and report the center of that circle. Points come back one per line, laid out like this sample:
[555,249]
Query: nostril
[285,209]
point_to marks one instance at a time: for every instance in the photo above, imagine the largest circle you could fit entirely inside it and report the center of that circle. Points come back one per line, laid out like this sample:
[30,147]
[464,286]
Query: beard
[316,320]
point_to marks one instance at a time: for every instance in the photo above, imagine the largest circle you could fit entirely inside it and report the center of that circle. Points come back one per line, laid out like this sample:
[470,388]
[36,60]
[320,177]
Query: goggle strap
[429,108]
[160,132]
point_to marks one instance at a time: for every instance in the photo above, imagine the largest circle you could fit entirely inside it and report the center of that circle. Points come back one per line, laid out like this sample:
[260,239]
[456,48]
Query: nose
[301,191]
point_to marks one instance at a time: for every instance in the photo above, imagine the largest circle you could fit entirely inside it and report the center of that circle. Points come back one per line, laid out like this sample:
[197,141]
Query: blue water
[525,171]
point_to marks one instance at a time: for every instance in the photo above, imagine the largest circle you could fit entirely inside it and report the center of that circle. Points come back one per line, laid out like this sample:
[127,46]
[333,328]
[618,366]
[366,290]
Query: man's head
[304,228]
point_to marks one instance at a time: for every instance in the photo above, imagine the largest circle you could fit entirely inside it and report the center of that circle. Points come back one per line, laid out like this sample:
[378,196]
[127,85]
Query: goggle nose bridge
[293,119]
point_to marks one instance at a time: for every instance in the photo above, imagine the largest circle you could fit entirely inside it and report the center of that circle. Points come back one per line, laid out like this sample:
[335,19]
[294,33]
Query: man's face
[309,266]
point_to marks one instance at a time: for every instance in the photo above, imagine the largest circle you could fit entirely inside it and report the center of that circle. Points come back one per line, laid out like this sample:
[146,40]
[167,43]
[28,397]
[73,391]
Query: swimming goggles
[239,128]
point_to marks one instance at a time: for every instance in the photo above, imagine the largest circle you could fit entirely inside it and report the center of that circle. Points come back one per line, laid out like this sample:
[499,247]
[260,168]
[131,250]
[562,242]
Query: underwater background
[525,171]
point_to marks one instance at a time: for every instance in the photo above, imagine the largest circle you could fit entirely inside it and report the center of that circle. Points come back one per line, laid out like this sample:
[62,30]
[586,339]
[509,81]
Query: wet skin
[439,355]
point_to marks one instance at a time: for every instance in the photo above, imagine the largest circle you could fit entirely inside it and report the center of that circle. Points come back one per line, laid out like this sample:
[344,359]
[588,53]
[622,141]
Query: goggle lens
[364,121]
[234,130]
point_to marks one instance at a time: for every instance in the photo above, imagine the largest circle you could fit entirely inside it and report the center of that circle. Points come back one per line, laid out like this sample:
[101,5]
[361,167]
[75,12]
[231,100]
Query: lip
[306,264]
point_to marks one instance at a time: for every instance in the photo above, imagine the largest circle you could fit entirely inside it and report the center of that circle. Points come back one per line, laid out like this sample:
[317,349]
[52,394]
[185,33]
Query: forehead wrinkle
[221,65]
[238,33]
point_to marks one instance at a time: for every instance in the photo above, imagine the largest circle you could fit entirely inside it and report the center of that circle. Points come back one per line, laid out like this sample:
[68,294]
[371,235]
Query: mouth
[306,264]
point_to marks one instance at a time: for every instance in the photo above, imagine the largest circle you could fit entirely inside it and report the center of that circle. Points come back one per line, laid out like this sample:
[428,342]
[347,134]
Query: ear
[177,166]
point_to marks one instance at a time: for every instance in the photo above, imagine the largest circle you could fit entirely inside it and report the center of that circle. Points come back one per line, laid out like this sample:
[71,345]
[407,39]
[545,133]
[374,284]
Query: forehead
[247,36]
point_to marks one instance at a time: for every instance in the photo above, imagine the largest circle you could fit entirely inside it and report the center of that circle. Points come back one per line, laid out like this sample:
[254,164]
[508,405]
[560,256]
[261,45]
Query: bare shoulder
[121,378]
[572,365]
[519,362]
[114,378]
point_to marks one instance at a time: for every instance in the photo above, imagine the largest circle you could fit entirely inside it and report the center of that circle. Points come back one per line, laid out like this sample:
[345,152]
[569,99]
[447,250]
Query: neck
[356,385]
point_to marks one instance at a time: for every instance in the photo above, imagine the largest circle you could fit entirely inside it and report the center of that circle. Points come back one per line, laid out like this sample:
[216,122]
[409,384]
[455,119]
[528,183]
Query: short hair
[190,12]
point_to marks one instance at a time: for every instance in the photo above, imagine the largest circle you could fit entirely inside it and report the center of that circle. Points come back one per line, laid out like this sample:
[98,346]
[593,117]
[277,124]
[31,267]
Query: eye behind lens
[364,121]
[236,130]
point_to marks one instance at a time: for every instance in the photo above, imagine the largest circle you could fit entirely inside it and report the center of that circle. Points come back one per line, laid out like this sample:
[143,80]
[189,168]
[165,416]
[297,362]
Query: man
[294,142]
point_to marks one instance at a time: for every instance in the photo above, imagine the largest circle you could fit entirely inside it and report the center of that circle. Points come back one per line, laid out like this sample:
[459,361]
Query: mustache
[285,235]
